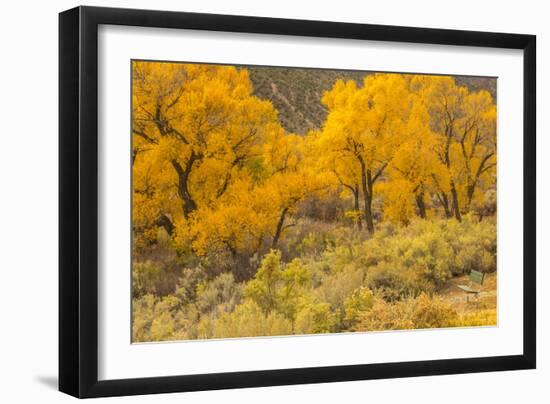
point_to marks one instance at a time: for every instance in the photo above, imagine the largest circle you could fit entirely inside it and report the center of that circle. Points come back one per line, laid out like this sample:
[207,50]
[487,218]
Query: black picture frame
[78,201]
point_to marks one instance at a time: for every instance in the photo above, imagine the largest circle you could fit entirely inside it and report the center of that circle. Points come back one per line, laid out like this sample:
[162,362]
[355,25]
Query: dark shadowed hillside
[297,93]
[479,83]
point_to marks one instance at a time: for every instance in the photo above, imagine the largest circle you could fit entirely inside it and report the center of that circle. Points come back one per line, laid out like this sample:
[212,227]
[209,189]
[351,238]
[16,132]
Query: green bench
[475,277]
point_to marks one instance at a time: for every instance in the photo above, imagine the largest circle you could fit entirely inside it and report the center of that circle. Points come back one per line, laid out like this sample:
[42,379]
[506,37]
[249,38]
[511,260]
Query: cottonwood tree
[195,130]
[365,124]
[293,173]
[466,126]
[476,140]
[415,172]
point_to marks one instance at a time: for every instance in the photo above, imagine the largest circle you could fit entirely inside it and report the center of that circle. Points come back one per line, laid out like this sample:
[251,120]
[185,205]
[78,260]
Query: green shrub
[474,244]
[315,318]
[278,287]
[360,301]
[424,255]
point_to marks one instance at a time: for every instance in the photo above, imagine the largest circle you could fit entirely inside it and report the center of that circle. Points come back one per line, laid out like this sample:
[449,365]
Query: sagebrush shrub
[360,301]
[334,288]
[384,316]
[394,281]
[432,312]
[158,319]
[222,294]
[157,278]
[315,318]
[422,312]
[248,319]
[343,282]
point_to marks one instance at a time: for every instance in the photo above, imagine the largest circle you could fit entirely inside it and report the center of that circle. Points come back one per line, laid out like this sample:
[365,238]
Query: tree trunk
[368,214]
[279,228]
[421,205]
[188,204]
[473,181]
[366,183]
[456,207]
[444,199]
[356,206]
[470,196]
[165,222]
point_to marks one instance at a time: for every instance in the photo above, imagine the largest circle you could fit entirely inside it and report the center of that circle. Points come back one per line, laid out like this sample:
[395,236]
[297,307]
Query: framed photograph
[251,201]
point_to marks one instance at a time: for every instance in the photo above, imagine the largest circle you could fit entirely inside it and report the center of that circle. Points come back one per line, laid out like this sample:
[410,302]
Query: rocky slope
[297,93]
